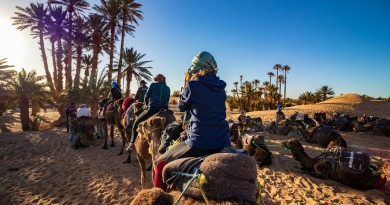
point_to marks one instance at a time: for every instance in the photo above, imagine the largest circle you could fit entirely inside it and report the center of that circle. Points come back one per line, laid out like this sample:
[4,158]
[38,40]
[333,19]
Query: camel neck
[300,155]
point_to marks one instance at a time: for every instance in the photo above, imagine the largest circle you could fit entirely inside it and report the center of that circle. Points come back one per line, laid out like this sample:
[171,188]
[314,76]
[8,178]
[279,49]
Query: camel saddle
[354,160]
[249,137]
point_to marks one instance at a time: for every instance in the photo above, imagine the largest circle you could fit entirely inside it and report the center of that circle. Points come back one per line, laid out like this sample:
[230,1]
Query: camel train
[249,150]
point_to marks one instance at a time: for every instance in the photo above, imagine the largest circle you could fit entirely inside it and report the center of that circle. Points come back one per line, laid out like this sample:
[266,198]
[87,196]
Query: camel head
[291,144]
[137,106]
[152,129]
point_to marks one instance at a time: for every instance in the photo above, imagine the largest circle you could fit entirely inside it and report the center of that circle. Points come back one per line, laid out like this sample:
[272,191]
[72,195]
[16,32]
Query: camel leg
[123,140]
[141,162]
[128,158]
[105,126]
[112,136]
[321,171]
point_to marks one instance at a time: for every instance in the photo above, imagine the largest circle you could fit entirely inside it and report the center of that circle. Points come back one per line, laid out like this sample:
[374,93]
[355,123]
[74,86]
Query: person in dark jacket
[115,94]
[204,96]
[140,95]
[156,97]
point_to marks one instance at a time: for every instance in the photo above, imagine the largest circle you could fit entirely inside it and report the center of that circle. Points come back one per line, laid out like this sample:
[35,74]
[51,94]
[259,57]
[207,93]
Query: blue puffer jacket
[157,95]
[205,98]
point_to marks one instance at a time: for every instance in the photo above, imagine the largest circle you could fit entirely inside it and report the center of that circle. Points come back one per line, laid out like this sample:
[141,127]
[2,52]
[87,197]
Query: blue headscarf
[114,84]
[83,106]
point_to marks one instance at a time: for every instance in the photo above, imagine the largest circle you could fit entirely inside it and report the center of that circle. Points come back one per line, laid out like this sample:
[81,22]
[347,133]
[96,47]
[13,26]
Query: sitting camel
[320,117]
[82,134]
[325,136]
[325,167]
[255,145]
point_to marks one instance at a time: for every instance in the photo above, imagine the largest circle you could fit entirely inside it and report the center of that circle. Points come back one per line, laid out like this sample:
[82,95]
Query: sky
[343,44]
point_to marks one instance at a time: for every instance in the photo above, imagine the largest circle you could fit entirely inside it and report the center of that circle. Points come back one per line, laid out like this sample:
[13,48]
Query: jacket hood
[212,81]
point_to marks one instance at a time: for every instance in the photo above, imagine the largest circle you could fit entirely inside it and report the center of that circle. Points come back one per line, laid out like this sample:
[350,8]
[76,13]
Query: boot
[158,180]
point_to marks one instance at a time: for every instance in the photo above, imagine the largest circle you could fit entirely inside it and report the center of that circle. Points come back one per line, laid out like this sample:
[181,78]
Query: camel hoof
[126,162]
[112,145]
[119,154]
[104,147]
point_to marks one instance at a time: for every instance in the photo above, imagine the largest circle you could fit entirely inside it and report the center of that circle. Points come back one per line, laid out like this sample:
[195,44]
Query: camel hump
[229,176]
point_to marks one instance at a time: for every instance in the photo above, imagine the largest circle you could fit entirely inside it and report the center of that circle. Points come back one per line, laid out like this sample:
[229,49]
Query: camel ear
[163,120]
[152,121]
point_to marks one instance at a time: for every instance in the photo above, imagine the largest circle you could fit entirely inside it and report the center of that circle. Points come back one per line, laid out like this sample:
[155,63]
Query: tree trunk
[128,78]
[46,66]
[284,96]
[24,113]
[69,67]
[79,52]
[112,42]
[123,33]
[86,74]
[60,85]
[53,55]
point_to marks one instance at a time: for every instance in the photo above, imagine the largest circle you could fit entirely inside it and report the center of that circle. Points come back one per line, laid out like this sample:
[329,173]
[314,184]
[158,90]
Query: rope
[200,181]
[258,194]
[193,176]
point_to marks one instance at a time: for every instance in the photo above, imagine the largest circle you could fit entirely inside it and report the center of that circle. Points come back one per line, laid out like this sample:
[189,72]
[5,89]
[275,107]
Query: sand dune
[41,168]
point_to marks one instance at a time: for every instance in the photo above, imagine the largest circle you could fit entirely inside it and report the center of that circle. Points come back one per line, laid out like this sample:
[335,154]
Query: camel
[81,136]
[137,107]
[255,145]
[114,117]
[381,127]
[253,124]
[327,167]
[320,117]
[325,136]
[147,143]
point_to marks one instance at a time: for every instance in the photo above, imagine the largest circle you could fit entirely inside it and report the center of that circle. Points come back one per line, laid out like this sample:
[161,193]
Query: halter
[148,133]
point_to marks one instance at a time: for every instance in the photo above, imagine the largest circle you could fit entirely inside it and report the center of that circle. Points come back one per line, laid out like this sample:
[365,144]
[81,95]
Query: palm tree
[35,17]
[4,74]
[256,82]
[277,68]
[270,74]
[86,64]
[306,97]
[281,81]
[130,14]
[73,7]
[27,89]
[97,33]
[235,85]
[81,41]
[324,91]
[285,68]
[110,10]
[134,66]
[57,32]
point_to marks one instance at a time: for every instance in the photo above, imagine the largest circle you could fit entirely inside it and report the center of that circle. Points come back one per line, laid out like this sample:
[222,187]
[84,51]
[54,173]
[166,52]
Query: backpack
[171,133]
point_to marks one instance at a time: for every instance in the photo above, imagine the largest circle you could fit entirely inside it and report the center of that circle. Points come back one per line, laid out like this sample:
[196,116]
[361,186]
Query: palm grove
[72,36]
[253,96]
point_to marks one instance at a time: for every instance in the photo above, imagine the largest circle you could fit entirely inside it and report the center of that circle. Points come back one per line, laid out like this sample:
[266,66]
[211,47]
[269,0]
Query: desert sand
[41,168]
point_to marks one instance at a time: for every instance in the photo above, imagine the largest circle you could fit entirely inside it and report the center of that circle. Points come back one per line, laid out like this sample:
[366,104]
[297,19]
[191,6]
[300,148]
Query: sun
[12,44]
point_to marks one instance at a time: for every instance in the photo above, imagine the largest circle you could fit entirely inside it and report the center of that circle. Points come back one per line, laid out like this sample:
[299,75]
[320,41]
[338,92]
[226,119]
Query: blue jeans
[142,117]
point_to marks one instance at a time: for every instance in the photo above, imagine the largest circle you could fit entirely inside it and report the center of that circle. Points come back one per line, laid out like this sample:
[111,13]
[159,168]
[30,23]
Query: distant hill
[351,104]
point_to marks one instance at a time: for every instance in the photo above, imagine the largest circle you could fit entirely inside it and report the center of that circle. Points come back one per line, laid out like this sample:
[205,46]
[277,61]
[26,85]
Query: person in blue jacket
[156,97]
[204,97]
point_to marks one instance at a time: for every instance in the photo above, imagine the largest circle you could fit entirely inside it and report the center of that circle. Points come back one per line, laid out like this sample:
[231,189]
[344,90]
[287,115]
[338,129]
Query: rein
[159,127]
